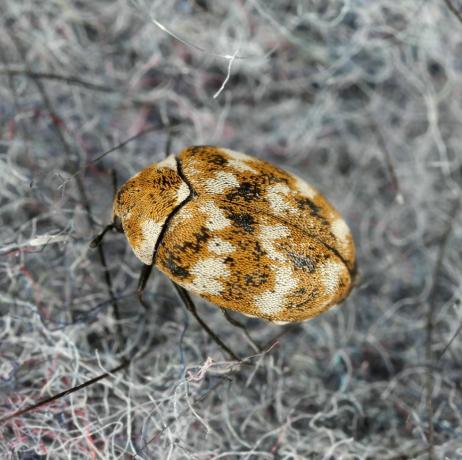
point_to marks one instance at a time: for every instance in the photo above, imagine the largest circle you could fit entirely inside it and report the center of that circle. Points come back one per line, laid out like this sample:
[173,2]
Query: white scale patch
[145,250]
[276,197]
[169,162]
[237,155]
[241,166]
[305,189]
[330,276]
[220,246]
[216,217]
[221,182]
[182,193]
[273,301]
[268,234]
[206,273]
[238,160]
[341,231]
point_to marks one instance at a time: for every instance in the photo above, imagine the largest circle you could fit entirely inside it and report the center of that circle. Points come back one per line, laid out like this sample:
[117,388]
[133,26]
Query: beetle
[238,231]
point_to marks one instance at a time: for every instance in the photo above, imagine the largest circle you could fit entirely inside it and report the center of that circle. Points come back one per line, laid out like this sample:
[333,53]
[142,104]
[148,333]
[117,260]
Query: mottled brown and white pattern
[239,232]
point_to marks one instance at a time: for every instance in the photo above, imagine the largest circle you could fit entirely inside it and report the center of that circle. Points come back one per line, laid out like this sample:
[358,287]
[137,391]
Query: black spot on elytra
[305,203]
[256,279]
[174,268]
[208,153]
[230,261]
[198,149]
[243,220]
[302,262]
[314,293]
[216,159]
[248,191]
[310,298]
[195,246]
[272,179]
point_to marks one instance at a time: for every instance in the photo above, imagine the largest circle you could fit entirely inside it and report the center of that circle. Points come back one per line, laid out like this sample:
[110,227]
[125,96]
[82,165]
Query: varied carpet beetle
[239,232]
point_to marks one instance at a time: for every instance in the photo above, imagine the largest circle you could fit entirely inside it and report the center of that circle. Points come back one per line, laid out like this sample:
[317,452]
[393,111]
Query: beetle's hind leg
[242,326]
[189,304]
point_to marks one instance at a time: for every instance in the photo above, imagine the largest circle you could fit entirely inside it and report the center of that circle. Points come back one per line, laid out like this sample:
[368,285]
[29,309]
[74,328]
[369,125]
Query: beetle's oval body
[239,232]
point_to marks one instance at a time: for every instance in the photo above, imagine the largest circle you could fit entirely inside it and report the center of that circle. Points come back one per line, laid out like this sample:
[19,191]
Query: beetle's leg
[242,326]
[189,304]
[97,240]
[143,279]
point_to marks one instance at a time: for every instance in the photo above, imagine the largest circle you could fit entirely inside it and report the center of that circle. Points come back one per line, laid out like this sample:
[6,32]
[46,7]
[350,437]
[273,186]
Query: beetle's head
[143,204]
